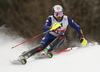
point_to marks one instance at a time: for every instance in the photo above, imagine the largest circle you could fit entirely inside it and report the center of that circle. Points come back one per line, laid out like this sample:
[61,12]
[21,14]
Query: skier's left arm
[79,30]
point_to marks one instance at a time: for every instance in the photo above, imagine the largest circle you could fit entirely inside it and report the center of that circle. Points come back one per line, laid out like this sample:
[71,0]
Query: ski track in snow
[85,59]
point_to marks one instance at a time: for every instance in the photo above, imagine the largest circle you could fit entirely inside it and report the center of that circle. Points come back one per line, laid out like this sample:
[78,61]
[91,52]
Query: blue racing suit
[50,36]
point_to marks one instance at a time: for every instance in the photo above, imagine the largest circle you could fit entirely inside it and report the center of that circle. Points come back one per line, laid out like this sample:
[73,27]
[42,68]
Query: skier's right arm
[47,24]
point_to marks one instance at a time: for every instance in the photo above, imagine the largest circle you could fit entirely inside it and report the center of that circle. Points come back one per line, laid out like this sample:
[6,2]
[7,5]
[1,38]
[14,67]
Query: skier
[57,24]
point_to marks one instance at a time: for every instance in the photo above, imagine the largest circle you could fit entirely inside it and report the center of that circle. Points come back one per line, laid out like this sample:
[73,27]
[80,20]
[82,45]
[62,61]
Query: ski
[17,61]
[36,57]
[69,49]
[49,55]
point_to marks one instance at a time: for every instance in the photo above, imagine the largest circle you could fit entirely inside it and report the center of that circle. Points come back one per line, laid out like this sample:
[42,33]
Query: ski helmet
[57,10]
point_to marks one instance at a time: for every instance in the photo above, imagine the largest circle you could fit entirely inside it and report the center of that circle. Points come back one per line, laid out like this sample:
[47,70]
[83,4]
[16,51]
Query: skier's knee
[61,36]
[40,47]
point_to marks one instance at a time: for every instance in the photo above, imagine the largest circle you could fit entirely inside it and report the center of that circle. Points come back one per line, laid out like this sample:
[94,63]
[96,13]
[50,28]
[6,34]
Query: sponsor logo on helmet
[58,8]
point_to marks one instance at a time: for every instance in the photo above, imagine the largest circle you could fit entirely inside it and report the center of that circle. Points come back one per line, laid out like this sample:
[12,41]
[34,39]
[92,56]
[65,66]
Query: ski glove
[83,40]
[55,26]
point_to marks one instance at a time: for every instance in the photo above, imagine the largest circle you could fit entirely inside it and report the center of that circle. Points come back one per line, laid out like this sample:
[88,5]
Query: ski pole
[31,38]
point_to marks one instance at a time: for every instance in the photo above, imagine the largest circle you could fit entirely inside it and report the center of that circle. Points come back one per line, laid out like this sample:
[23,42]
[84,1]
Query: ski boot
[45,52]
[50,55]
[22,58]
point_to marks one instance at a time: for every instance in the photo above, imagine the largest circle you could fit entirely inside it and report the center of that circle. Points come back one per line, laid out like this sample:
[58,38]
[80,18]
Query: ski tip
[18,62]
[15,62]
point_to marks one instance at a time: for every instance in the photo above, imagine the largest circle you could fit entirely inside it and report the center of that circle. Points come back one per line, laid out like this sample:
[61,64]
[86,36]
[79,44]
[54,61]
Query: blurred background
[27,18]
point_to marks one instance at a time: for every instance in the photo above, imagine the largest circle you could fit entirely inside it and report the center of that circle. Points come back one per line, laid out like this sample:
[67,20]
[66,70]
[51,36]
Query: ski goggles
[58,14]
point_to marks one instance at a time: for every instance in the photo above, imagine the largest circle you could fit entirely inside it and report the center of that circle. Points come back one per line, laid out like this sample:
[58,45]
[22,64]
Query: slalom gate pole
[31,38]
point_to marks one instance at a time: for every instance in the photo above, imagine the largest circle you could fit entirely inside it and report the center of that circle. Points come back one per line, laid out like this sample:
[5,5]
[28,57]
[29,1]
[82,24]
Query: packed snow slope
[85,59]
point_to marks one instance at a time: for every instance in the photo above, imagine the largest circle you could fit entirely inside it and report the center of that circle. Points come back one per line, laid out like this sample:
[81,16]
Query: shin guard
[54,44]
[31,52]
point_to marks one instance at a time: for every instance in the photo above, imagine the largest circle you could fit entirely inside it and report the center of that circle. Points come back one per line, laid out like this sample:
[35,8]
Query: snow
[85,59]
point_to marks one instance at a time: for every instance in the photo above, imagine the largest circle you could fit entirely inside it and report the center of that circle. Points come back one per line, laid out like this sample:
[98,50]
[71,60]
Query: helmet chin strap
[58,20]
